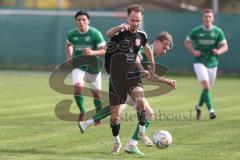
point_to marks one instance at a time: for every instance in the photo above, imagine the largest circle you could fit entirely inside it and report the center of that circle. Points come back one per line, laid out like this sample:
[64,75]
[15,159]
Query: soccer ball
[162,139]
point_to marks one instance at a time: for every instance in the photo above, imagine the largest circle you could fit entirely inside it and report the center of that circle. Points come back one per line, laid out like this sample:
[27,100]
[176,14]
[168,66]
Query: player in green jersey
[84,45]
[206,43]
[161,45]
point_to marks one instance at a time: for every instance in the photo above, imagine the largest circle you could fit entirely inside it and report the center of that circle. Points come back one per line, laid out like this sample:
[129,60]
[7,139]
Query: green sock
[202,100]
[80,102]
[102,113]
[208,99]
[135,135]
[98,104]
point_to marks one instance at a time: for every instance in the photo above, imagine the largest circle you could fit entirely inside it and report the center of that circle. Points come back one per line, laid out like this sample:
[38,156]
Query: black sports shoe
[198,113]
[212,115]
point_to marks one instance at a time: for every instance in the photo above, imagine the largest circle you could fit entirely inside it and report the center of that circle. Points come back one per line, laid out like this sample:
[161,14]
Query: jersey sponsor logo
[212,34]
[137,42]
[206,42]
[201,34]
[87,39]
[75,38]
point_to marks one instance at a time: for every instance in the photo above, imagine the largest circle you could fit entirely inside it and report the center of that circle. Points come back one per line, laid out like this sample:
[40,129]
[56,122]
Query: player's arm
[113,31]
[156,78]
[189,46]
[69,52]
[141,69]
[89,52]
[100,45]
[222,49]
[148,52]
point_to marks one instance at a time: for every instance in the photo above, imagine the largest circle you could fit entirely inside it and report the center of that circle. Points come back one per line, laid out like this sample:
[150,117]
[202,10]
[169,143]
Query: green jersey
[205,41]
[92,39]
[143,57]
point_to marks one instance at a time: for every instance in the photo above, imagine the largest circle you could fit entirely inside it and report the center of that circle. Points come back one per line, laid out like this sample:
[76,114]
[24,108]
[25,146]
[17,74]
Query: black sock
[115,129]
[141,117]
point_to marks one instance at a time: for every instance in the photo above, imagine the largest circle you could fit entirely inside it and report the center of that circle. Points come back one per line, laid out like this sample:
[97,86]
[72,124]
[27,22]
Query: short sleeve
[192,35]
[145,39]
[98,37]
[69,39]
[221,37]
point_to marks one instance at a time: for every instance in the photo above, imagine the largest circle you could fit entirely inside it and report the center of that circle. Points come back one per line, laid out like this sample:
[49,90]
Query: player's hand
[87,52]
[215,51]
[196,53]
[172,83]
[125,26]
[146,74]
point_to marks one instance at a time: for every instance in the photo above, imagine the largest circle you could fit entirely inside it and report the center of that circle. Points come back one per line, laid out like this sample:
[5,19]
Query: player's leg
[137,94]
[117,99]
[116,112]
[96,91]
[150,116]
[202,76]
[101,114]
[212,73]
[78,82]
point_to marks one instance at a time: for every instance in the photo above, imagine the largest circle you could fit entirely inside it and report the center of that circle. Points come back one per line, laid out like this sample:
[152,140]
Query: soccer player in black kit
[120,63]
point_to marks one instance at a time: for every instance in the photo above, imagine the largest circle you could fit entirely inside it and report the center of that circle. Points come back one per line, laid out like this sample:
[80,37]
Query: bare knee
[141,104]
[206,84]
[78,89]
[96,94]
[116,114]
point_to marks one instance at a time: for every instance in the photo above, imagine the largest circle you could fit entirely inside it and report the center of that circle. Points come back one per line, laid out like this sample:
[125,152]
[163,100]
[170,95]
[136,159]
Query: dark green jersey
[91,39]
[205,41]
[143,57]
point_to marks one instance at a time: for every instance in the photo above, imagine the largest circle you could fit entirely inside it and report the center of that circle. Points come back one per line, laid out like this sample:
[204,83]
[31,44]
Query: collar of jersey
[205,29]
[83,32]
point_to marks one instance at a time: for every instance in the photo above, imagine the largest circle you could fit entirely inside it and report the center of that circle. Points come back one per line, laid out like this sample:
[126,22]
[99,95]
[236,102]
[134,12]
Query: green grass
[30,130]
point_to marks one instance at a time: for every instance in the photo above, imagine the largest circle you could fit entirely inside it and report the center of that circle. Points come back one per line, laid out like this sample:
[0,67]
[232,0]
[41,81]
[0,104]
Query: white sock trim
[211,110]
[116,139]
[142,129]
[133,142]
[90,121]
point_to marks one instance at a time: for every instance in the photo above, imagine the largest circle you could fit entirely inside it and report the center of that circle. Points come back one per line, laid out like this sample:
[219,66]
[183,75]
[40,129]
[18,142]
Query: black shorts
[118,89]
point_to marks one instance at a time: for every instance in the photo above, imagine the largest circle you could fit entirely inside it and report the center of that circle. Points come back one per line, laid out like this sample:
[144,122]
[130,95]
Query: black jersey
[124,46]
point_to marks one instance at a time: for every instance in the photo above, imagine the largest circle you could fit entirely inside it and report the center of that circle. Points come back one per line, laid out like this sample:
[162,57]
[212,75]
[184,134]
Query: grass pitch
[30,130]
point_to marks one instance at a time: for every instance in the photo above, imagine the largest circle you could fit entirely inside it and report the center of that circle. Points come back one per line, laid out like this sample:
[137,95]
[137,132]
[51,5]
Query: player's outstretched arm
[156,78]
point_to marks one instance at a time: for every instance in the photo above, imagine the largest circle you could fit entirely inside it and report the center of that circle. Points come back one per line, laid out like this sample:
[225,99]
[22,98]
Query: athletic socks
[104,112]
[141,117]
[206,98]
[115,129]
[135,135]
[98,104]
[80,102]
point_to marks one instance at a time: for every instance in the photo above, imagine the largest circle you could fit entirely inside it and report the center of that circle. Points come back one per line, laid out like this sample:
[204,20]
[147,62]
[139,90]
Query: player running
[84,45]
[206,43]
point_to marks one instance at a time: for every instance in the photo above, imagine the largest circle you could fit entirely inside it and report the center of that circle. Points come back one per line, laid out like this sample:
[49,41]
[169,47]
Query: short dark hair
[208,10]
[165,36]
[82,13]
[135,8]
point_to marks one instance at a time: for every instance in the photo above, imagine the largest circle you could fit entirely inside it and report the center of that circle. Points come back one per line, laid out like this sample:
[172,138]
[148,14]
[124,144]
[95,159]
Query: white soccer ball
[162,139]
